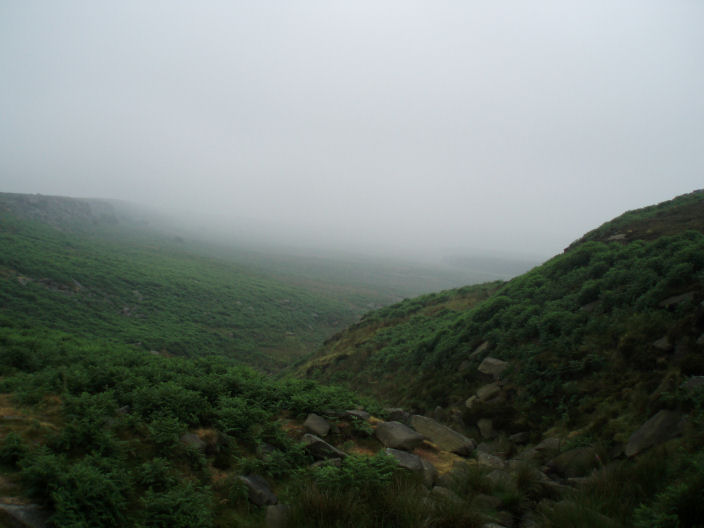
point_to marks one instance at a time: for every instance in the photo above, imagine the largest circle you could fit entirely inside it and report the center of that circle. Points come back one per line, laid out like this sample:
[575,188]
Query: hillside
[570,396]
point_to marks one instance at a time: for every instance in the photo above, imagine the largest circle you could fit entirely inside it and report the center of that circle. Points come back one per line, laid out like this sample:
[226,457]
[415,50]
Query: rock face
[493,366]
[398,436]
[442,436]
[406,460]
[316,425]
[23,516]
[259,492]
[320,449]
[661,427]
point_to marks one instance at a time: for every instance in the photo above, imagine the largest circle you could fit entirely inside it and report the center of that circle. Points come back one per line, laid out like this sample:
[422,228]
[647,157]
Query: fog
[387,126]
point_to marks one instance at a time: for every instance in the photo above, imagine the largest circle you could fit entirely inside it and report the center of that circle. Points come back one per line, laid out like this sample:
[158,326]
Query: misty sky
[511,125]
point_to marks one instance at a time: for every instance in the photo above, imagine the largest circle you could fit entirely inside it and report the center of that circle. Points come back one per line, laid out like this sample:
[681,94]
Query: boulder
[430,473]
[693,384]
[277,515]
[396,414]
[487,392]
[23,516]
[443,494]
[480,349]
[398,436]
[471,401]
[677,299]
[358,413]
[486,428]
[700,340]
[193,441]
[663,344]
[519,438]
[483,502]
[660,428]
[576,462]
[549,446]
[457,474]
[316,425]
[492,461]
[442,436]
[406,460]
[499,477]
[319,448]
[492,366]
[259,492]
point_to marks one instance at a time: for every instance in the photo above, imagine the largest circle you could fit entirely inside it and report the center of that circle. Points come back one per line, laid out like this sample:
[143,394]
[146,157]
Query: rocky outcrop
[320,449]
[398,436]
[258,490]
[316,425]
[660,428]
[493,366]
[442,436]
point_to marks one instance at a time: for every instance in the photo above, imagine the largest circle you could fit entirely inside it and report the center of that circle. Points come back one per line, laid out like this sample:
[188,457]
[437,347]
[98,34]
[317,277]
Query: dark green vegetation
[115,343]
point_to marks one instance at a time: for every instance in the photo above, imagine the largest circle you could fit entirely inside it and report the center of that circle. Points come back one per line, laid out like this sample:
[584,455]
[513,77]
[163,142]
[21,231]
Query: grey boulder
[398,436]
[442,436]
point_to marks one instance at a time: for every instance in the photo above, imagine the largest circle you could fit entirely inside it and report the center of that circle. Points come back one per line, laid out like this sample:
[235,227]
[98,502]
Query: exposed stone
[471,401]
[334,462]
[193,441]
[480,349]
[430,473]
[320,449]
[259,492]
[23,516]
[316,425]
[277,515]
[617,236]
[493,366]
[405,459]
[661,427]
[486,428]
[576,462]
[548,445]
[442,436]
[445,495]
[519,438]
[396,414]
[398,436]
[459,470]
[677,299]
[693,383]
[483,502]
[492,461]
[487,392]
[358,413]
[663,344]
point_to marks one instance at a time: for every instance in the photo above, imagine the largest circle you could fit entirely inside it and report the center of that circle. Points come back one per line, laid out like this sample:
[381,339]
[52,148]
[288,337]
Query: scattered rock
[492,366]
[677,299]
[406,460]
[259,492]
[334,462]
[316,425]
[445,495]
[663,344]
[471,401]
[396,414]
[661,427]
[576,462]
[519,438]
[398,436]
[193,441]
[358,413]
[320,449]
[277,515]
[23,516]
[694,383]
[442,436]
[492,461]
[430,473]
[480,349]
[617,236]
[486,428]
[487,392]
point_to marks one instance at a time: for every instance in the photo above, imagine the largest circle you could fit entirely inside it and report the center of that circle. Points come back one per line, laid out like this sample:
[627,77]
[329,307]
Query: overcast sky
[511,125]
